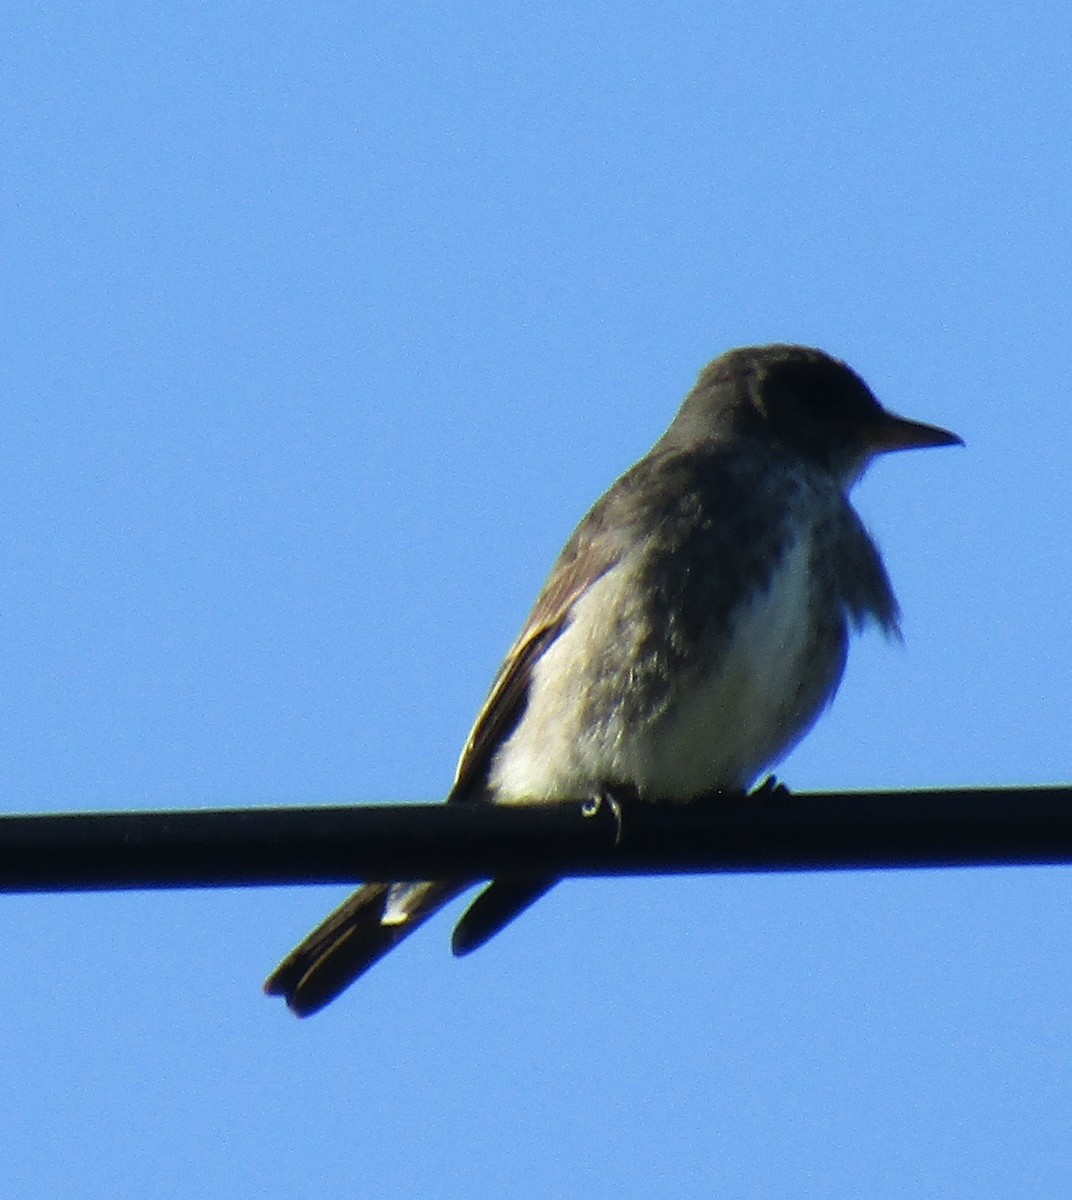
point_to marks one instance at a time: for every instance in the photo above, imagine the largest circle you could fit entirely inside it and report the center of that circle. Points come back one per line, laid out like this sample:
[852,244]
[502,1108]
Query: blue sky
[322,327]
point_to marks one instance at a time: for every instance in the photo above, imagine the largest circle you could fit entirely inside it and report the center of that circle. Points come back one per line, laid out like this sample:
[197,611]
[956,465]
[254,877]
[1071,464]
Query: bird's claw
[605,802]
[770,789]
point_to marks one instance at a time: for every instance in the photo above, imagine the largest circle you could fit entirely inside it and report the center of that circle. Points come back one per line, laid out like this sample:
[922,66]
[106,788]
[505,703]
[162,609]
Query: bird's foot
[607,805]
[770,789]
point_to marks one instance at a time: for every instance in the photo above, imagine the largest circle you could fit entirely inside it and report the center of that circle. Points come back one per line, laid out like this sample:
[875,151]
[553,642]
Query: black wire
[763,832]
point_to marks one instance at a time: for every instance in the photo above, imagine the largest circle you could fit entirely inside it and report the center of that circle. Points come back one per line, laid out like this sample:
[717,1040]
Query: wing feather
[587,556]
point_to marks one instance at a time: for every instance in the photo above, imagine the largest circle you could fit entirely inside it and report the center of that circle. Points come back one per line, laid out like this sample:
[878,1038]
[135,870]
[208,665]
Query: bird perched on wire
[693,628]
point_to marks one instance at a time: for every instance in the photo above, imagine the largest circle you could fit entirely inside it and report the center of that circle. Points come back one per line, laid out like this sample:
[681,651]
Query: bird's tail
[496,906]
[355,936]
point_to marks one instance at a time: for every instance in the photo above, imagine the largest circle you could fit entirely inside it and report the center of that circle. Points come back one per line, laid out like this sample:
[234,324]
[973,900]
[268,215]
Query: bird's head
[814,406]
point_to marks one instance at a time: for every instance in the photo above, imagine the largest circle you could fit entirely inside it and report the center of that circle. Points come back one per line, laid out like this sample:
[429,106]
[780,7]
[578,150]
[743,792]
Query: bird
[692,630]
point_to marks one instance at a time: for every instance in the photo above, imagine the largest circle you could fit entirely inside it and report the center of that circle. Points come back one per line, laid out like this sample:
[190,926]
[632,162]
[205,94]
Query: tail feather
[496,906]
[351,940]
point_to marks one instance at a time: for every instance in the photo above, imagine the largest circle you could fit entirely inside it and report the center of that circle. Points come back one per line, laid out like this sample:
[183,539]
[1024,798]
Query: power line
[762,832]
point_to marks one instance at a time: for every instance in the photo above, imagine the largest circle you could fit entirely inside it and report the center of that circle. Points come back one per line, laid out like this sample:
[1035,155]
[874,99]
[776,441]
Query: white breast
[740,716]
[732,717]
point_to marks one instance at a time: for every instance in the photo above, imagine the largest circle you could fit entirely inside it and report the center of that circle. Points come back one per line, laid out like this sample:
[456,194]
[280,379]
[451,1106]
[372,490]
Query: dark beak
[898,433]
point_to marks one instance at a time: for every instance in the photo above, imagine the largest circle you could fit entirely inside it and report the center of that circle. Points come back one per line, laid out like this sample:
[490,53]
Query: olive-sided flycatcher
[691,631]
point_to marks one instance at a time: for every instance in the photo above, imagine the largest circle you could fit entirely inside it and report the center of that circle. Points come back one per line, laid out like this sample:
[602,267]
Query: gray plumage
[693,628]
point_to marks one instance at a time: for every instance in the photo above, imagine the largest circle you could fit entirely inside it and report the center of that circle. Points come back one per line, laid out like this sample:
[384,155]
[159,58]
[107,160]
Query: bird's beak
[898,433]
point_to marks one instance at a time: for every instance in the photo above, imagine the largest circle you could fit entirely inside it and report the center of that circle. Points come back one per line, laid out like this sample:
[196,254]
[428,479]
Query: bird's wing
[587,556]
